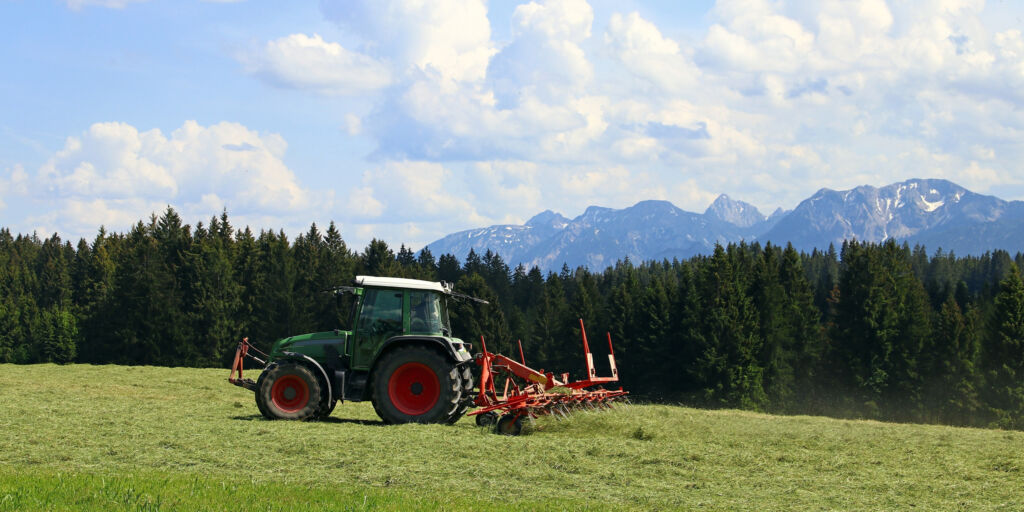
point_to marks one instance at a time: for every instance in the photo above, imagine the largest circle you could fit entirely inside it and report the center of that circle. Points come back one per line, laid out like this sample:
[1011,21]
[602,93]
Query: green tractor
[399,354]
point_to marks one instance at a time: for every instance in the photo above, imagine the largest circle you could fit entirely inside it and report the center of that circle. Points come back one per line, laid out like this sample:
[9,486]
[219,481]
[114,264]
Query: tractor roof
[399,282]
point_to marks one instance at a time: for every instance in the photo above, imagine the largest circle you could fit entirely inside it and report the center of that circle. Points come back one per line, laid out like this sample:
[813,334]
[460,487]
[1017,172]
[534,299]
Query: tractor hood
[310,340]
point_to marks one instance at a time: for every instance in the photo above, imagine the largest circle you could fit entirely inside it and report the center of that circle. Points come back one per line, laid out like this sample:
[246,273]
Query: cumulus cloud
[14,182]
[308,62]
[412,190]
[449,37]
[544,60]
[642,49]
[113,173]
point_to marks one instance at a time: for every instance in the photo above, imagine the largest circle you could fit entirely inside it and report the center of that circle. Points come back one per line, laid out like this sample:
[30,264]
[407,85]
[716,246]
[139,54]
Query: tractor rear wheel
[289,391]
[467,395]
[415,384]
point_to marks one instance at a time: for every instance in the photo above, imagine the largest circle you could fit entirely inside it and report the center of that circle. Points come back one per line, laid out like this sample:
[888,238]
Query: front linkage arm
[237,366]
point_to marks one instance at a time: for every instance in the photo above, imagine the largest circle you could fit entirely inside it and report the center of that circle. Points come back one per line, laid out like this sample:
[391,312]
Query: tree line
[881,331]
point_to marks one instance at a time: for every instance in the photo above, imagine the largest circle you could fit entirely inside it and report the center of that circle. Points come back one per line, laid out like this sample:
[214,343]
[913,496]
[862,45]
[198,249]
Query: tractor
[399,354]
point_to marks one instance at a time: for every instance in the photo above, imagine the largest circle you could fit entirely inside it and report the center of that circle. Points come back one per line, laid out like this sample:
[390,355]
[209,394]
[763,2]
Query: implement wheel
[288,391]
[509,425]
[415,384]
[486,419]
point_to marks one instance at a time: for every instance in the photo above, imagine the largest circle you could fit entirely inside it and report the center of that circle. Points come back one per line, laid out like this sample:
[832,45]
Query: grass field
[143,438]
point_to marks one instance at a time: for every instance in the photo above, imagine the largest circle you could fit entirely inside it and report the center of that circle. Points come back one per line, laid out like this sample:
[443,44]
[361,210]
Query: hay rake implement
[529,393]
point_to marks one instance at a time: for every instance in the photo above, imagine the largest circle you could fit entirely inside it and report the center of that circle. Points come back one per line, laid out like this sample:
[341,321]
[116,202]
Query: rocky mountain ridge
[933,212]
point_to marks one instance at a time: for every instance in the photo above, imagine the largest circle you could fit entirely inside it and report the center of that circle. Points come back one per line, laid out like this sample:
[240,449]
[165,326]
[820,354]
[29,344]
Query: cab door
[379,319]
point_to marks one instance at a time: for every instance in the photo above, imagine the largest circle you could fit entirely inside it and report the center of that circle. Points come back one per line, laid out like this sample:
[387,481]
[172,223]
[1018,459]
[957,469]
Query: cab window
[382,312]
[424,313]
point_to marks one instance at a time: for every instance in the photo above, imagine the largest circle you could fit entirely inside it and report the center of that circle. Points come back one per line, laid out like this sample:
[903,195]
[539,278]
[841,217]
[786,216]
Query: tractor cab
[388,307]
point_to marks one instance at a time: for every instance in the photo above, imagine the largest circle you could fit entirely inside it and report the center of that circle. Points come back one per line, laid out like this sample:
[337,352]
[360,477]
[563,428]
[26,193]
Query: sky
[406,120]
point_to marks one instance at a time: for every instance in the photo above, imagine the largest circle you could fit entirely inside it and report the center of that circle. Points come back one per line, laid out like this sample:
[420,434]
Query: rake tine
[551,412]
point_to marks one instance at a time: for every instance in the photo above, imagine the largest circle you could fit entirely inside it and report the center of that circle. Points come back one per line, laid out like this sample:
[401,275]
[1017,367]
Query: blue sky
[407,120]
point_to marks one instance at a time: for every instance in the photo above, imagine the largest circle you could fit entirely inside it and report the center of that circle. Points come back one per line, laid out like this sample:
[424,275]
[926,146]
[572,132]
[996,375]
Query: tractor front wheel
[415,384]
[288,391]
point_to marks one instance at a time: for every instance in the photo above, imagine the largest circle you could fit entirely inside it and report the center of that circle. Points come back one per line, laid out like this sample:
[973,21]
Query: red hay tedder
[529,393]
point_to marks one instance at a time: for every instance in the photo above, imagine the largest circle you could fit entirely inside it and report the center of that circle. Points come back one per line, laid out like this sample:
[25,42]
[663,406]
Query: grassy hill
[145,438]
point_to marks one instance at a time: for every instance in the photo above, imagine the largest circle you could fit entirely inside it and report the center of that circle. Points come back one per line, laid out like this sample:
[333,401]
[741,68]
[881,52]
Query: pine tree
[54,327]
[275,314]
[427,264]
[448,268]
[1004,353]
[473,265]
[214,296]
[653,339]
[687,339]
[470,320]
[804,332]
[772,304]
[952,391]
[551,328]
[728,361]
[336,268]
[379,260]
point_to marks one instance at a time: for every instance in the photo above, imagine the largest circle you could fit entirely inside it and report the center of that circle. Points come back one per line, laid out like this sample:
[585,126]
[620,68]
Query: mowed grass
[143,438]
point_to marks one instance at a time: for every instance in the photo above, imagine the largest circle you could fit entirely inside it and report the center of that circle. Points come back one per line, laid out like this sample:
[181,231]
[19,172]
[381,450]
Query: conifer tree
[728,360]
[1004,353]
[448,268]
[379,260]
[428,264]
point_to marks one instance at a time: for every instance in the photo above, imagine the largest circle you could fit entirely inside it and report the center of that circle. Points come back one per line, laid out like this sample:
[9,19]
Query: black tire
[259,385]
[325,410]
[415,384]
[487,419]
[467,395]
[509,425]
[289,391]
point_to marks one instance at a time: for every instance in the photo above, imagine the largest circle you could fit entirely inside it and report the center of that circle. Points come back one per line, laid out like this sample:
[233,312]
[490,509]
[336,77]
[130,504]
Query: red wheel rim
[414,389]
[290,393]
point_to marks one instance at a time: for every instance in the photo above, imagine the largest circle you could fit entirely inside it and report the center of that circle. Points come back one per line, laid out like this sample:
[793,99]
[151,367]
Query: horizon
[407,122]
[395,245]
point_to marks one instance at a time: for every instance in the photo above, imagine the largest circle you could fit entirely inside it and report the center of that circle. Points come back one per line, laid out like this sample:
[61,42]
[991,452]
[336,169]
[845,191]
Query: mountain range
[932,212]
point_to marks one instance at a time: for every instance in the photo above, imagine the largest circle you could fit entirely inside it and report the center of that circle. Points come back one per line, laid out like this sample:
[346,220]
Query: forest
[879,331]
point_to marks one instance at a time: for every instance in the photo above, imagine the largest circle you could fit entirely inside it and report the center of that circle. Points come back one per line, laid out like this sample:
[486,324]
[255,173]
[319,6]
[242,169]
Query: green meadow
[83,437]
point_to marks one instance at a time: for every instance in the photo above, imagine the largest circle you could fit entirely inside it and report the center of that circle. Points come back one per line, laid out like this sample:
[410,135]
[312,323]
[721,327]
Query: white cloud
[15,183]
[507,190]
[353,124]
[412,190]
[544,60]
[114,174]
[308,62]
[642,49]
[450,37]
